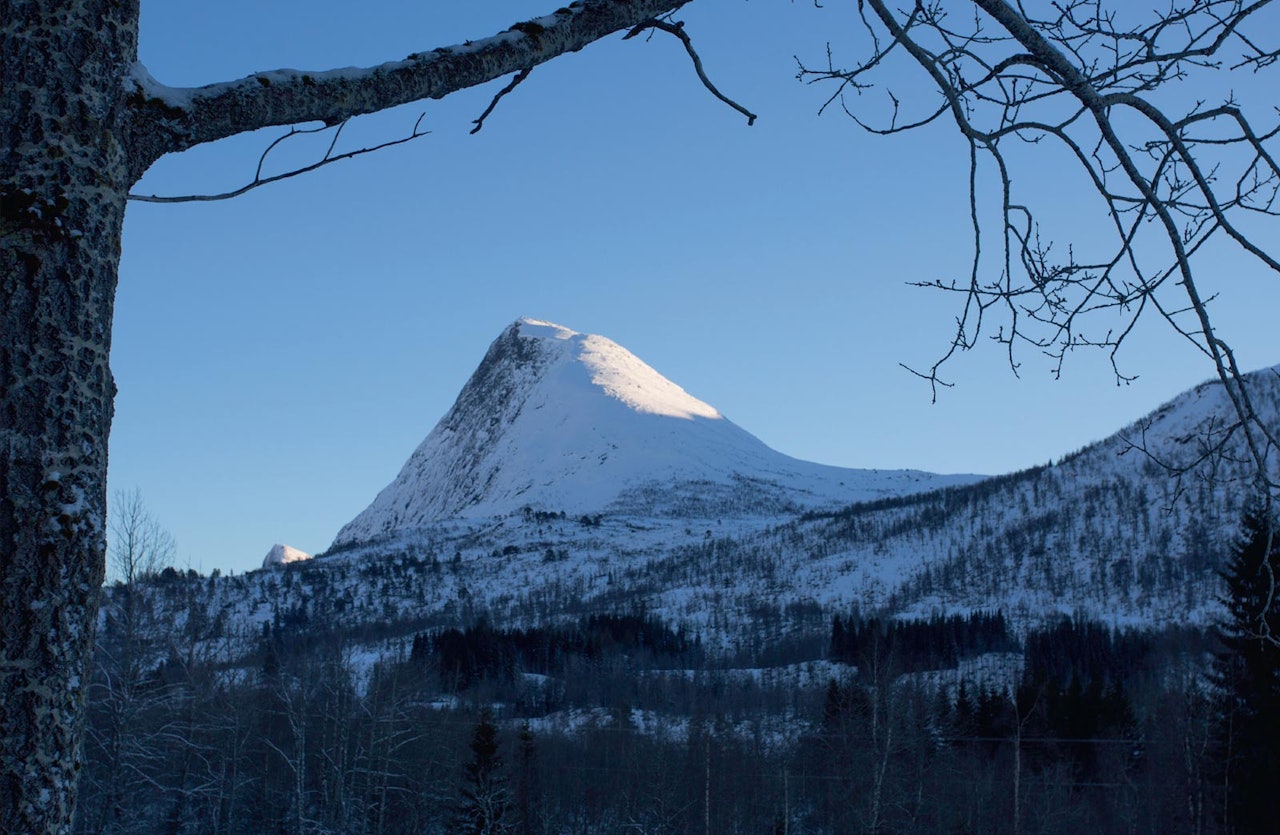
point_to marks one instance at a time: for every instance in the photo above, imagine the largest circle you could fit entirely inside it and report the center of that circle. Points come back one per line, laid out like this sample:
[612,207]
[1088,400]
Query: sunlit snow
[283,555]
[561,421]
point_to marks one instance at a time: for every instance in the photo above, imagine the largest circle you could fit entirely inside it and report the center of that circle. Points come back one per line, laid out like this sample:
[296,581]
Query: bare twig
[1169,180]
[677,29]
[258,180]
[515,82]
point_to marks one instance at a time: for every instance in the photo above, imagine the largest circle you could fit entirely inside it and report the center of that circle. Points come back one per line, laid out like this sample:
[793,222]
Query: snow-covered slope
[1132,529]
[560,421]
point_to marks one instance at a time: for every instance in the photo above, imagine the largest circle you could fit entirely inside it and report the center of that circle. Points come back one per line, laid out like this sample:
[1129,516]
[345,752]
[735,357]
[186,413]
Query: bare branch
[515,82]
[1171,184]
[258,180]
[677,29]
[169,119]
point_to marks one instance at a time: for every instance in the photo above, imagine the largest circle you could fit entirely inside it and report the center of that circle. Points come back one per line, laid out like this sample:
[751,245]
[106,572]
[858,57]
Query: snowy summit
[622,375]
[561,421]
[283,555]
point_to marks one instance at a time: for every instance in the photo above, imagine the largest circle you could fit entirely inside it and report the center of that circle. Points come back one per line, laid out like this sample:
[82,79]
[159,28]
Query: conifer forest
[619,723]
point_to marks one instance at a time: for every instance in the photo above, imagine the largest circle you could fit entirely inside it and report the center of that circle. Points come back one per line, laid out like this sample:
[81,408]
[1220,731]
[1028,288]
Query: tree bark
[80,122]
[64,177]
[174,119]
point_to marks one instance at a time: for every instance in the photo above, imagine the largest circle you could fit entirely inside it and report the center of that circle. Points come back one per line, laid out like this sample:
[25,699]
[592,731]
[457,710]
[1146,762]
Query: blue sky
[280,355]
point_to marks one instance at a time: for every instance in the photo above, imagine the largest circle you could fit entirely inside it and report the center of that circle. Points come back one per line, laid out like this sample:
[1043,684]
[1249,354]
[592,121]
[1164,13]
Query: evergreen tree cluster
[913,645]
[465,657]
[485,799]
[1247,677]
[1089,738]
[1085,652]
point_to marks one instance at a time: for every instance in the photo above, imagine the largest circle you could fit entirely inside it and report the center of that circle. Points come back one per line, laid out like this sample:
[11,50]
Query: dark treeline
[1087,652]
[463,657]
[309,740]
[938,643]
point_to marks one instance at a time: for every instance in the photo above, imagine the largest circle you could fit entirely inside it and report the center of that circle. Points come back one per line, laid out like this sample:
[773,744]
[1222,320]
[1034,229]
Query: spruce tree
[527,784]
[1247,673]
[484,793]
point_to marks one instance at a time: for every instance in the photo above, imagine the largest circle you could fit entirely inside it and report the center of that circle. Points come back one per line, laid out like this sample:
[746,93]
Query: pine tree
[527,784]
[484,793]
[1247,673]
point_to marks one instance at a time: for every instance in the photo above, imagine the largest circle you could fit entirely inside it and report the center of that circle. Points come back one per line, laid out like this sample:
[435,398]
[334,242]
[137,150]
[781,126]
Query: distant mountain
[283,555]
[559,421]
[580,546]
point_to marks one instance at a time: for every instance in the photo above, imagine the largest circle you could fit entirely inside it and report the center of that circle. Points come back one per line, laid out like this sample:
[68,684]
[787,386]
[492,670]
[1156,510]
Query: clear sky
[280,355]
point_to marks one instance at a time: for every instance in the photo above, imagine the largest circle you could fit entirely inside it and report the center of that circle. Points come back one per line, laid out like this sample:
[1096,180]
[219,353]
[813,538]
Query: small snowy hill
[283,555]
[560,421]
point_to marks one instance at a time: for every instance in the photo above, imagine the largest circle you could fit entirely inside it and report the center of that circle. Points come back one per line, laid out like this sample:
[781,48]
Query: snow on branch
[168,119]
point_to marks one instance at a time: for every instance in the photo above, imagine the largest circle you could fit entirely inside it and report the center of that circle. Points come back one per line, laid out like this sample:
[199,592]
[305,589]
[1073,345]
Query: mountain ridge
[1105,532]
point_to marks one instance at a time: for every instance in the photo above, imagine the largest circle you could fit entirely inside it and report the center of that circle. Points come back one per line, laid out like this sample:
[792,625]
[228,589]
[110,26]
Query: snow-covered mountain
[560,421]
[570,479]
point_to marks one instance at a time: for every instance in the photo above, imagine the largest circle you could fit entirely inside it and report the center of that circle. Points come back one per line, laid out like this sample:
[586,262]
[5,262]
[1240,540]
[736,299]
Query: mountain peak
[540,329]
[563,421]
[617,372]
[281,555]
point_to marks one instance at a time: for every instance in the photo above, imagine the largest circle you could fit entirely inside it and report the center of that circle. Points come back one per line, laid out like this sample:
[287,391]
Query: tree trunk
[64,176]
[78,126]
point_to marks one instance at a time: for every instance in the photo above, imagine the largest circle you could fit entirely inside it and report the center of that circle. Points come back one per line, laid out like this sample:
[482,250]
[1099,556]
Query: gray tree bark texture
[80,123]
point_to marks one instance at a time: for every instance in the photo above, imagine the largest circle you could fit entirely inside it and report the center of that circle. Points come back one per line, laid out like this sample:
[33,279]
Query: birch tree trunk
[64,177]
[80,122]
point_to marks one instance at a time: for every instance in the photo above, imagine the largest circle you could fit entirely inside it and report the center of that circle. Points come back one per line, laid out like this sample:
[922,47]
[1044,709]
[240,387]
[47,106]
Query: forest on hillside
[621,723]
